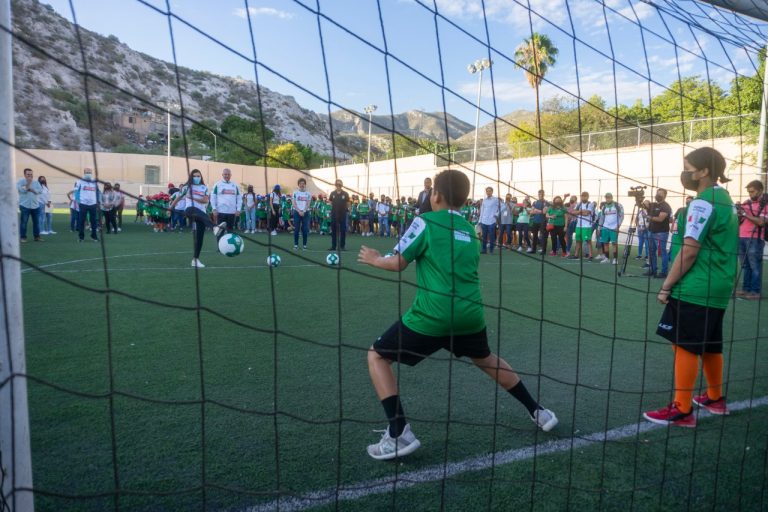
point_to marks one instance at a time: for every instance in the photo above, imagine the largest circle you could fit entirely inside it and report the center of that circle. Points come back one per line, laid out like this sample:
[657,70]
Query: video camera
[638,193]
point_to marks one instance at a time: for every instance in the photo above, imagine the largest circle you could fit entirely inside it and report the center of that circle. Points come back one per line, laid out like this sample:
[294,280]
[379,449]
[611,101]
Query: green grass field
[265,390]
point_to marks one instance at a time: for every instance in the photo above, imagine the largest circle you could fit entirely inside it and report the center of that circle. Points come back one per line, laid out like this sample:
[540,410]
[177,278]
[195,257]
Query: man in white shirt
[489,215]
[382,209]
[88,196]
[585,215]
[226,200]
[610,219]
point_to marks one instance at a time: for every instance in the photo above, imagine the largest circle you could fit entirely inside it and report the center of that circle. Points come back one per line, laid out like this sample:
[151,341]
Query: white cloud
[507,11]
[263,11]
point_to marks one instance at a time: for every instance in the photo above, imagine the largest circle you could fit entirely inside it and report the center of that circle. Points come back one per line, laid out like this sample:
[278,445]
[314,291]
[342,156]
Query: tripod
[630,237]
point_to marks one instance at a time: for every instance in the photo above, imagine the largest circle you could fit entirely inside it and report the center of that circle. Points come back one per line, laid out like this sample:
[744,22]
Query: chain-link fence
[680,132]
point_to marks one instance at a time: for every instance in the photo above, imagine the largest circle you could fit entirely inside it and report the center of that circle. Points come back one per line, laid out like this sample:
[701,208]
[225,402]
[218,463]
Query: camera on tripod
[638,193]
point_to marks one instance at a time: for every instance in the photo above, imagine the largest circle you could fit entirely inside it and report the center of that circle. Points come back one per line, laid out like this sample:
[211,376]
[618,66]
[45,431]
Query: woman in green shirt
[556,227]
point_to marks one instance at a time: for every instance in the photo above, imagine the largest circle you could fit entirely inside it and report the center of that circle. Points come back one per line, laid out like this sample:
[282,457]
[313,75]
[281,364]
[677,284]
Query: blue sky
[287,37]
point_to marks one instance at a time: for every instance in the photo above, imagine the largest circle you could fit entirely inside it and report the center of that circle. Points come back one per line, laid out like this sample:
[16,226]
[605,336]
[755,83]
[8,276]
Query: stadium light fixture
[478,67]
[215,146]
[370,109]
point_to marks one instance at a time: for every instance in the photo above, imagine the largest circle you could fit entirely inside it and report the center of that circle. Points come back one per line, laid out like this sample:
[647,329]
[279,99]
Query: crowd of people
[566,225]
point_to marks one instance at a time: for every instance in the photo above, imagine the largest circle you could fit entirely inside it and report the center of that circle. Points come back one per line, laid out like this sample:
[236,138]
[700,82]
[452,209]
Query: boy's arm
[374,258]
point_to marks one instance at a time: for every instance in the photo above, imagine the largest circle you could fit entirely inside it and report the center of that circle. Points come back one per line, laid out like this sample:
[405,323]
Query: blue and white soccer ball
[273,260]
[231,245]
[332,259]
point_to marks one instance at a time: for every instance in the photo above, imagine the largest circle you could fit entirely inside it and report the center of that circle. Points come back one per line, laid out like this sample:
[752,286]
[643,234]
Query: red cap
[170,185]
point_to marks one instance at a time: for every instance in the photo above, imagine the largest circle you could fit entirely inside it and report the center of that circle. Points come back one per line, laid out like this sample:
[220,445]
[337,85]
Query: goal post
[15,456]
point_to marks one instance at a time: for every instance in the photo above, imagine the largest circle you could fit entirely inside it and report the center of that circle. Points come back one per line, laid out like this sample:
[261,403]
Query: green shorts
[609,236]
[582,234]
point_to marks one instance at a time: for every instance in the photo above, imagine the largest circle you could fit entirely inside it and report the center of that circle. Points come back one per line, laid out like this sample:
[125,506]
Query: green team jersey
[394,213]
[559,216]
[679,233]
[354,213]
[285,209]
[711,220]
[466,212]
[409,212]
[447,253]
[363,209]
[261,209]
[324,210]
[523,215]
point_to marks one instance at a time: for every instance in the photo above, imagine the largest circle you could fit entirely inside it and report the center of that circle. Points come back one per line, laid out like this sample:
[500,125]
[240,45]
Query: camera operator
[659,215]
[752,217]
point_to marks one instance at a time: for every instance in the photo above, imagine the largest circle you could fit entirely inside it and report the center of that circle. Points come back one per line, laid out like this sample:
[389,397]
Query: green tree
[535,56]
[689,98]
[243,140]
[285,155]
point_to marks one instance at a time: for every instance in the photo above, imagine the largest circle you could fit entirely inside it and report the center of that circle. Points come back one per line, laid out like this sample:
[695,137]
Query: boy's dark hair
[756,184]
[453,186]
[302,179]
[709,158]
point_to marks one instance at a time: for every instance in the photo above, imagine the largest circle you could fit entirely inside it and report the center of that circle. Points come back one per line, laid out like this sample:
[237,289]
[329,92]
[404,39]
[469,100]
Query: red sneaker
[714,406]
[671,415]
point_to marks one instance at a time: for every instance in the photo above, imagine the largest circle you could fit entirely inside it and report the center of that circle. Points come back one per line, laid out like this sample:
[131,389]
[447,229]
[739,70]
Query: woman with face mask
[698,288]
[46,208]
[197,197]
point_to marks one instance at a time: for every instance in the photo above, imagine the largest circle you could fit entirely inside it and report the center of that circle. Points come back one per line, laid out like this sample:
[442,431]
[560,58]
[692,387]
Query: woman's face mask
[88,177]
[196,180]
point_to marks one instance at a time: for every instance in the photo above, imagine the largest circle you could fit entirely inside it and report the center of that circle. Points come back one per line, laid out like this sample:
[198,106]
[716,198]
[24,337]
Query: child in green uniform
[354,214]
[447,312]
[261,213]
[363,210]
[698,289]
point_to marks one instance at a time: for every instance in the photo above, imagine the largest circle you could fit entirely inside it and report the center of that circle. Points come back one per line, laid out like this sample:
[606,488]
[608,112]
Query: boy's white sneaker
[390,447]
[545,419]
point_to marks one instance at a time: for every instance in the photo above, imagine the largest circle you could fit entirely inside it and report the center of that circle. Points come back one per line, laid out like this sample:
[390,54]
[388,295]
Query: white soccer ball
[332,259]
[231,245]
[273,260]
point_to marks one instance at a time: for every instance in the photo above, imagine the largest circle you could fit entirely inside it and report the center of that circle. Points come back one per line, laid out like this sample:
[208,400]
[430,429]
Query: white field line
[363,489]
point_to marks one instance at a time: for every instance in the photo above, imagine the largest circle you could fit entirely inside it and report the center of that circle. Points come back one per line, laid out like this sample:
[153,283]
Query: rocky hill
[50,97]
[486,136]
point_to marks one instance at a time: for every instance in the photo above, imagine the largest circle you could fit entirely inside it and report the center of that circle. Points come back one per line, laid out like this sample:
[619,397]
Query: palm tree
[536,55]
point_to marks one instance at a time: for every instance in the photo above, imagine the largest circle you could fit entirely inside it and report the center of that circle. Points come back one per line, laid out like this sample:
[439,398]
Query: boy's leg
[500,371]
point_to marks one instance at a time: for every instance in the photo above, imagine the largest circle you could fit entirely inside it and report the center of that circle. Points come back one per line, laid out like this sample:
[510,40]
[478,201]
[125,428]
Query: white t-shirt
[382,209]
[610,216]
[585,221]
[192,196]
[301,200]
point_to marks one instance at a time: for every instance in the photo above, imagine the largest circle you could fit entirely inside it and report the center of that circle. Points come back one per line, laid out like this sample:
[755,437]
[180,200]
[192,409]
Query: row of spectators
[527,225]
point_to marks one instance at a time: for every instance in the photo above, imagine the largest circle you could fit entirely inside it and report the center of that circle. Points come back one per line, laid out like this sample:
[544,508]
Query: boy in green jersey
[261,213]
[446,313]
[698,288]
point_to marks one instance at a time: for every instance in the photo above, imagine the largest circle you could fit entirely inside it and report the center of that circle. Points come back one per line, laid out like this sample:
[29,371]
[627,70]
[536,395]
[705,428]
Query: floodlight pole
[14,417]
[370,109]
[477,67]
[215,146]
[168,145]
[761,138]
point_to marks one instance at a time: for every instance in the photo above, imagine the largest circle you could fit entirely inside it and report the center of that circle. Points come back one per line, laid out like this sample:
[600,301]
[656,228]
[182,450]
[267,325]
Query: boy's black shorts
[403,345]
[697,329]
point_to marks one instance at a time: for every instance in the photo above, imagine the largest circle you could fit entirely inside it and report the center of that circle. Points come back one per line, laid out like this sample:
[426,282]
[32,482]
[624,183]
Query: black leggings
[202,222]
[557,233]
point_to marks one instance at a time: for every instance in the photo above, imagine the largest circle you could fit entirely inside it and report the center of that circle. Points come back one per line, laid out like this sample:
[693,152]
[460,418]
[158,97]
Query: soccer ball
[273,260]
[231,245]
[332,259]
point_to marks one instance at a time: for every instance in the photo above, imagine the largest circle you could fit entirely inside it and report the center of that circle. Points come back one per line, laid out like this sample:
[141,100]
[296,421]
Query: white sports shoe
[389,448]
[219,228]
[197,263]
[603,259]
[273,233]
[51,232]
[545,419]
[614,262]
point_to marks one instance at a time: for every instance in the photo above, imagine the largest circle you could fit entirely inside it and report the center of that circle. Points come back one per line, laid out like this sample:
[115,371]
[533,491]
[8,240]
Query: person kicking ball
[447,312]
